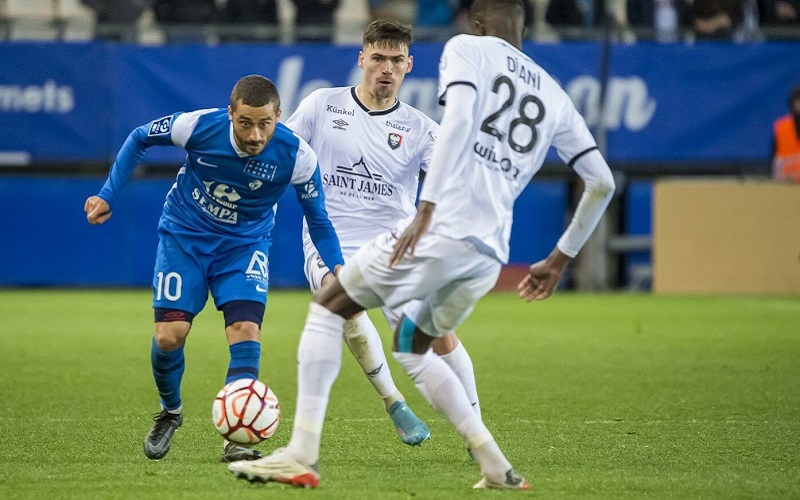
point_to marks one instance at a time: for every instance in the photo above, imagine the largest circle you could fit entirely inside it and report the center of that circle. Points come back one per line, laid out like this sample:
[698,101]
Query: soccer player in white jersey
[502,113]
[371,148]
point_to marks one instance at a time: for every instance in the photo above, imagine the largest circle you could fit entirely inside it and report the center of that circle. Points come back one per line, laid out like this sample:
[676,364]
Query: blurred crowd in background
[341,21]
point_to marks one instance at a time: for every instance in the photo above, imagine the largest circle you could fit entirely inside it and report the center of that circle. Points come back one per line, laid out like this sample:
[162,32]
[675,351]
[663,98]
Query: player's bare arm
[543,276]
[407,241]
[97,210]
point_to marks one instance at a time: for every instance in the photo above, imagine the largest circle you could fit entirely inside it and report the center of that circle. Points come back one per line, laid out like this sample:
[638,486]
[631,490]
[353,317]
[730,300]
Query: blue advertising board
[53,245]
[674,102]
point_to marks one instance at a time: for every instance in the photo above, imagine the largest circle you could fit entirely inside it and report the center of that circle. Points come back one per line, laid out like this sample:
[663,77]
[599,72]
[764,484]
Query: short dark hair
[256,91]
[481,8]
[388,34]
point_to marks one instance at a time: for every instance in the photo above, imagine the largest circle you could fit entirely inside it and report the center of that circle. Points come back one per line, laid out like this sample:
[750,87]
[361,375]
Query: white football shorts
[446,277]
[315,269]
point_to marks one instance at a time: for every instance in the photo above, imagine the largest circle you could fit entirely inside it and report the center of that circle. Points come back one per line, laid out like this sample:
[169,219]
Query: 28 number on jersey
[522,118]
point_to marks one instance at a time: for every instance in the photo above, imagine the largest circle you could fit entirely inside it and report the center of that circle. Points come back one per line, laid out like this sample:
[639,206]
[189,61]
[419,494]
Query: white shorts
[315,269]
[447,277]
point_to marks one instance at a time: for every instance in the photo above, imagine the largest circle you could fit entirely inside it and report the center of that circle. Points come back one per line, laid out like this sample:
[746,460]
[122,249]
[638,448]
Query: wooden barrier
[726,236]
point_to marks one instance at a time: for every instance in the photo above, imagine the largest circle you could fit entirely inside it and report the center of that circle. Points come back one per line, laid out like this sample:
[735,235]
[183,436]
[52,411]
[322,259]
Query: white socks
[319,358]
[460,362]
[365,343]
[440,386]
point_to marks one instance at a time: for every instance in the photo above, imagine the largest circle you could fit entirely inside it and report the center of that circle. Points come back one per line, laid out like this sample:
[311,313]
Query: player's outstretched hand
[97,210]
[407,241]
[543,277]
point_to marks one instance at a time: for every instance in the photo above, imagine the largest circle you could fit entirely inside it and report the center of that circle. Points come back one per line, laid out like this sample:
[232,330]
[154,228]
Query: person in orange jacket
[786,149]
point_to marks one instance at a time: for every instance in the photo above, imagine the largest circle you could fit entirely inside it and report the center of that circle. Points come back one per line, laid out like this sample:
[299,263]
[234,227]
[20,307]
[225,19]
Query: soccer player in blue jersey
[214,232]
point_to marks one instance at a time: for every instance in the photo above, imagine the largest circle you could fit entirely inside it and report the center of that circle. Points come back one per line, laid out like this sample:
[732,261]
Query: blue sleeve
[128,158]
[312,200]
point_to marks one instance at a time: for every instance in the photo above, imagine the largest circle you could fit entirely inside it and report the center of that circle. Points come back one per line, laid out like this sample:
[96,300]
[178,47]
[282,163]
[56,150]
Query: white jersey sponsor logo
[341,111]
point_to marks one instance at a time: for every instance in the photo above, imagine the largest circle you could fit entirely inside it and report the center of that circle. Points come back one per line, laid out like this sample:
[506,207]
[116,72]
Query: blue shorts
[189,263]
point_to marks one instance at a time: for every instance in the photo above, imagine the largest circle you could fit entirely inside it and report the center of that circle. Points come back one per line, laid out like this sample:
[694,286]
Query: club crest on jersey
[260,169]
[395,140]
[255,184]
[162,126]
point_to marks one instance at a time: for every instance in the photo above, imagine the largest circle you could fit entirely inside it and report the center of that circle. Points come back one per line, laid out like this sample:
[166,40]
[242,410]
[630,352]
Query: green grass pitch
[590,396]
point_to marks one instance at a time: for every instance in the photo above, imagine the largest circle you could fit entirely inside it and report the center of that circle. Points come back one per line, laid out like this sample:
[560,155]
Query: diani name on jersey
[518,68]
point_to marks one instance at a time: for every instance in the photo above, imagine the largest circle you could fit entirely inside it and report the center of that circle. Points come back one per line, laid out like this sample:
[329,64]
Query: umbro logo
[340,124]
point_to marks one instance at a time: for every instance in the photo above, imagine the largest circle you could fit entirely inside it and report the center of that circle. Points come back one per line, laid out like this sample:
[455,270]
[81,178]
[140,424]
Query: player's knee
[171,328]
[241,331]
[445,345]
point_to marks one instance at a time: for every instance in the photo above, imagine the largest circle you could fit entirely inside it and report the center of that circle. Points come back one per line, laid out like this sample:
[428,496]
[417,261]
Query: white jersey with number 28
[519,113]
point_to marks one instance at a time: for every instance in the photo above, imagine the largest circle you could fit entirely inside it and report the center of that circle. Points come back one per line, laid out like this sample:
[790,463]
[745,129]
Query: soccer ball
[246,411]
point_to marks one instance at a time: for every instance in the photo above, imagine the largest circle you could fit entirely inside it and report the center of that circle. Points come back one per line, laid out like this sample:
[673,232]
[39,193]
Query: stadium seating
[45,20]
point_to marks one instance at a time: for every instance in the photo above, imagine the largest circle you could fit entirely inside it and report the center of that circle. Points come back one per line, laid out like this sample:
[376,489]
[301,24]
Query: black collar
[386,111]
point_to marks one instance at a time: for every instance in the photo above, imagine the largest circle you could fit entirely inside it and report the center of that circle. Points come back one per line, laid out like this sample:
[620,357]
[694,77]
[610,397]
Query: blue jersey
[221,189]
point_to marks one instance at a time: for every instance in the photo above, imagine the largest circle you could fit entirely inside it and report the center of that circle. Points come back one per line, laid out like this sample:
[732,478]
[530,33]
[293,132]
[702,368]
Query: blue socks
[245,360]
[168,371]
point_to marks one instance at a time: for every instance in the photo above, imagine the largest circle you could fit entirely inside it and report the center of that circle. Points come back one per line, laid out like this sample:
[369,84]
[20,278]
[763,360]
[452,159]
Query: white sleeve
[458,117]
[428,146]
[305,163]
[598,190]
[184,125]
[572,137]
[302,120]
[457,66]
